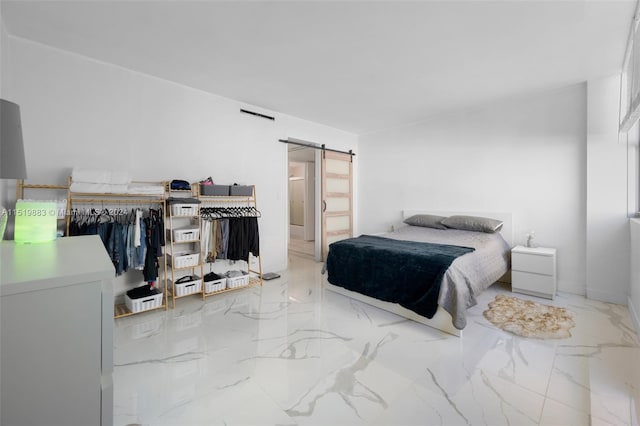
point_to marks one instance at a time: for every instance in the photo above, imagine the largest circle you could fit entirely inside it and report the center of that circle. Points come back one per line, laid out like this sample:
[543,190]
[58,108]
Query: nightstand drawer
[533,284]
[526,262]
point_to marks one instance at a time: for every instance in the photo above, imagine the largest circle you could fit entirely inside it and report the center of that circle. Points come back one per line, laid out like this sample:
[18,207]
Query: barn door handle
[324,206]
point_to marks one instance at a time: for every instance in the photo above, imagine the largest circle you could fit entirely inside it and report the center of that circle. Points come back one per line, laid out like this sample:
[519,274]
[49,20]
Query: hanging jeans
[115,246]
[224,230]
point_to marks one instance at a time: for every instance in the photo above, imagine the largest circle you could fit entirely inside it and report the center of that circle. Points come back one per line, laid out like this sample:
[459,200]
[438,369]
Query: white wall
[77,111]
[523,155]
[607,224]
[4,56]
[4,65]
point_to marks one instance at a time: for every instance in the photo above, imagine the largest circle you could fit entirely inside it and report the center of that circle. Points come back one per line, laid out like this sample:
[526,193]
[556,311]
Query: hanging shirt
[136,236]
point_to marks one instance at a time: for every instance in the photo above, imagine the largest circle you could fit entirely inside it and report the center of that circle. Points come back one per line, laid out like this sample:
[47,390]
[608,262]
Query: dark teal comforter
[405,272]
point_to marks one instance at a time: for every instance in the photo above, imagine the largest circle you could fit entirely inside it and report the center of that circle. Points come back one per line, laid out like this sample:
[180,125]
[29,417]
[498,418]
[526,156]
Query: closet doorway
[303,194]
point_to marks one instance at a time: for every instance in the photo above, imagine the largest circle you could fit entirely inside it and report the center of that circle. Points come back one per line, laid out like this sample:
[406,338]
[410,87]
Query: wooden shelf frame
[240,201]
[75,199]
[169,218]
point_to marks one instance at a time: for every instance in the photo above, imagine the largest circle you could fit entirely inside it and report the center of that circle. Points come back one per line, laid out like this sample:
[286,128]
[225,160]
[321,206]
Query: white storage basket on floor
[215,285]
[186,234]
[188,287]
[236,282]
[184,209]
[184,260]
[143,303]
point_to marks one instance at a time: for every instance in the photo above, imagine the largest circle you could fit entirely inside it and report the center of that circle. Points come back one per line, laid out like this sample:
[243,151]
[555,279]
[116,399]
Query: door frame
[317,212]
[325,213]
[319,150]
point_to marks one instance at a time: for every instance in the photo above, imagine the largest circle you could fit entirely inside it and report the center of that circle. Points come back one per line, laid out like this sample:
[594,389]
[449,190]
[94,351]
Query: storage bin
[241,190]
[187,287]
[184,260]
[186,234]
[236,282]
[214,190]
[143,303]
[215,285]
[180,209]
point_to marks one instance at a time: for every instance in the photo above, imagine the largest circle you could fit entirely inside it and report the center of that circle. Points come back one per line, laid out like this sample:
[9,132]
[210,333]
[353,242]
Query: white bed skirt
[441,320]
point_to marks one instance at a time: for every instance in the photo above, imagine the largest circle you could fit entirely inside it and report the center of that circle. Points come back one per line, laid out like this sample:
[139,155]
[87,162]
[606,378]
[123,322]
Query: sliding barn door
[337,201]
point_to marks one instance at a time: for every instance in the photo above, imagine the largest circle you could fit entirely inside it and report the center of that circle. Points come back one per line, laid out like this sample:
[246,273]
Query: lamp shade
[12,164]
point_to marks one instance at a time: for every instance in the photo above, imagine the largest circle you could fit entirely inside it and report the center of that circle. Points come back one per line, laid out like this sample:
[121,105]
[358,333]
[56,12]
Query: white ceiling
[358,66]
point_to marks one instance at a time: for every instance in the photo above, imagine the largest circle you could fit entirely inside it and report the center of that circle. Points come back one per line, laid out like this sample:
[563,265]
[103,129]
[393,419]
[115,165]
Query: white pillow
[473,223]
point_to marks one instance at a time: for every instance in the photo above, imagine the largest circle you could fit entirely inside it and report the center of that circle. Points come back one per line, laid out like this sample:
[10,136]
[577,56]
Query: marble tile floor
[301,247]
[291,353]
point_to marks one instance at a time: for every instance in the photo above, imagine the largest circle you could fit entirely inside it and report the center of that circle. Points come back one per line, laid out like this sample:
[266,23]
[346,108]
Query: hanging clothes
[218,248]
[224,233]
[237,247]
[154,241]
[253,235]
[126,236]
[235,232]
[205,242]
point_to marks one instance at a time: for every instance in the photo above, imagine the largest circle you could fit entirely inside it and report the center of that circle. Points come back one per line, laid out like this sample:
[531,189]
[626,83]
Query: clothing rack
[211,208]
[113,200]
[21,186]
[75,199]
[231,207]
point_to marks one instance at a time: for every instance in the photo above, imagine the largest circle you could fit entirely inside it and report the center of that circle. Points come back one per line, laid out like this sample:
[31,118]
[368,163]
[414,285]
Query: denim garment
[103,230]
[224,229]
[89,229]
[123,254]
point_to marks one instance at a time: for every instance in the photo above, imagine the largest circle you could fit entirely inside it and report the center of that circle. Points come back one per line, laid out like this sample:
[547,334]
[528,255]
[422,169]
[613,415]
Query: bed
[485,260]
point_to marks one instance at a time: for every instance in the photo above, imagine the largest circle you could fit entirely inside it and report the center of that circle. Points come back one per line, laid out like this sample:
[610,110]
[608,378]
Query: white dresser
[56,333]
[533,271]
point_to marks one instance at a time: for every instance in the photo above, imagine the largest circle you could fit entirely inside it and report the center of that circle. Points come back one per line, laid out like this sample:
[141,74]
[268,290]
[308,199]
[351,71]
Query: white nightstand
[533,271]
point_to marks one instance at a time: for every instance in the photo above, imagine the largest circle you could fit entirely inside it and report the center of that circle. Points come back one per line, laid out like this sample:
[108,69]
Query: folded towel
[120,177]
[98,188]
[145,189]
[115,177]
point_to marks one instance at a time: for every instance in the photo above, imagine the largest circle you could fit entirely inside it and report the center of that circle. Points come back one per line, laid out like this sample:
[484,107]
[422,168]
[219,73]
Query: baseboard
[635,315]
[567,287]
[606,296]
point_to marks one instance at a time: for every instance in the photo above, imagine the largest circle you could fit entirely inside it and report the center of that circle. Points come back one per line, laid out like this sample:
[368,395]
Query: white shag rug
[529,319]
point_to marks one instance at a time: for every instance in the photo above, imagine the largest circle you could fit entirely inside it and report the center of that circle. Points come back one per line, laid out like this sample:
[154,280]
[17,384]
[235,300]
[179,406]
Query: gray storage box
[213,190]
[243,190]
